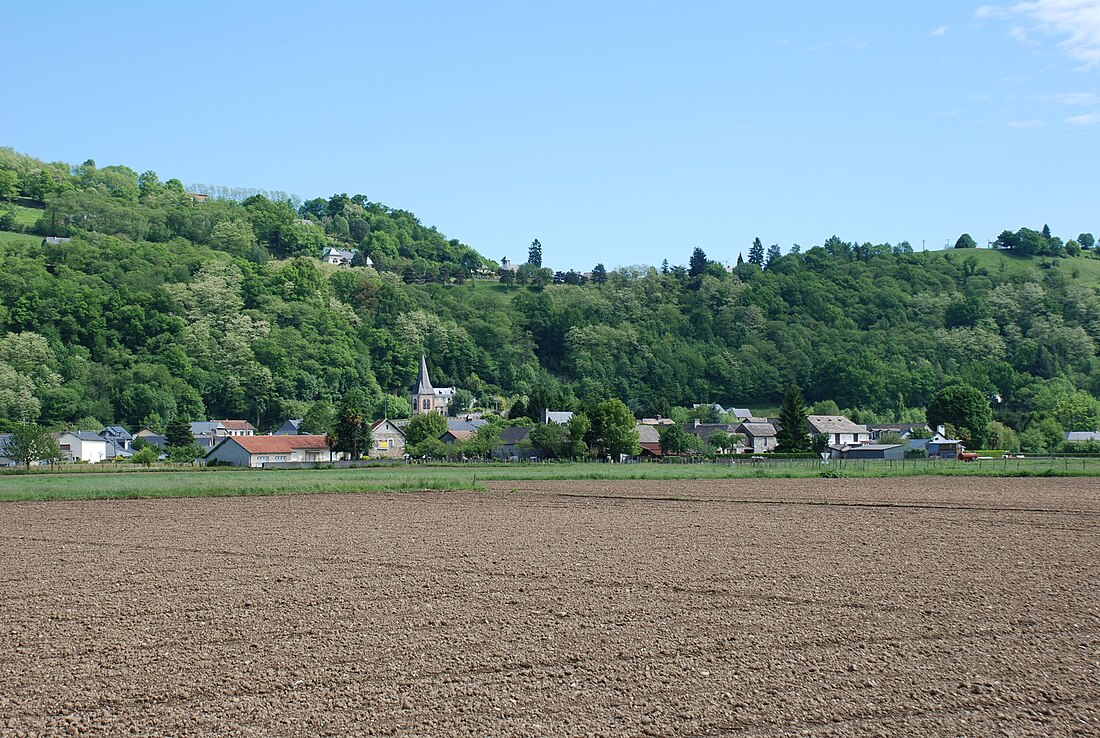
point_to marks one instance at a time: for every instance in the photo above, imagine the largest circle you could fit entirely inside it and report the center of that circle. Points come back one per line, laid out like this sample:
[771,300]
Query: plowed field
[903,607]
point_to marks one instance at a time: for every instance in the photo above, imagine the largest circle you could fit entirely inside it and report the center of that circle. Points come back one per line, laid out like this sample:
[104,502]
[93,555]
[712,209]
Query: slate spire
[423,384]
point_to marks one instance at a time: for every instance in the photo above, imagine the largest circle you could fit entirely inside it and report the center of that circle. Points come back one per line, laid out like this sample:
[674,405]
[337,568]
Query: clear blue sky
[621,132]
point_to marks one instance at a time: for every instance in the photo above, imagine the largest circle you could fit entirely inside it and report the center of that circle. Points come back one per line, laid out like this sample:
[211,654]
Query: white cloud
[941,31]
[1026,123]
[1076,21]
[1076,99]
[1088,119]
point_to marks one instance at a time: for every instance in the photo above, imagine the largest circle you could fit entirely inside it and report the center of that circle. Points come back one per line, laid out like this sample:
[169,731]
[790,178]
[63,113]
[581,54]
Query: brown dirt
[960,607]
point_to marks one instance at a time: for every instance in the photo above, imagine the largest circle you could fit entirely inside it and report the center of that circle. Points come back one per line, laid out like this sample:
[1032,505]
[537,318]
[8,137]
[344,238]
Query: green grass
[223,483]
[26,216]
[74,485]
[18,239]
[1087,266]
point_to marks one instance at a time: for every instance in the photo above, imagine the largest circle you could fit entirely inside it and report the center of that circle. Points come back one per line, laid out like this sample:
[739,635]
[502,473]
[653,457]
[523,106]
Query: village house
[649,439]
[760,438]
[514,445]
[905,430]
[150,436]
[83,446]
[289,428]
[465,424]
[837,430]
[342,257]
[118,441]
[457,436]
[387,440]
[703,431]
[260,451]
[236,427]
[561,418]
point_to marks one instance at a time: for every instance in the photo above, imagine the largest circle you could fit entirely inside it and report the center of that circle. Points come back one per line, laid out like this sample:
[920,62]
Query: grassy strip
[224,484]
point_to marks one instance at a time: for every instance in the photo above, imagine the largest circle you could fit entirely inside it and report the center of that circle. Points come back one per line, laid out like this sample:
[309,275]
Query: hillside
[161,304]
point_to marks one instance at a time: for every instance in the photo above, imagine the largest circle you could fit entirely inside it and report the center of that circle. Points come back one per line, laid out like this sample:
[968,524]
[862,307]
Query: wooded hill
[161,304]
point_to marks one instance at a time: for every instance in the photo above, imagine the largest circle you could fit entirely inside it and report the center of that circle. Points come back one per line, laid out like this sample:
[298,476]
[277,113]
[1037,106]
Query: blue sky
[621,132]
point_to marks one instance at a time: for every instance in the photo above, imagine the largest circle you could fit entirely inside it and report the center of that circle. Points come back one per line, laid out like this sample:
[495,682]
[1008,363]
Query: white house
[342,257]
[837,429]
[83,446]
[256,451]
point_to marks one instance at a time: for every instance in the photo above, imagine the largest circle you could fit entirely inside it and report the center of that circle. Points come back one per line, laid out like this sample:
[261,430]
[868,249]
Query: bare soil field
[894,607]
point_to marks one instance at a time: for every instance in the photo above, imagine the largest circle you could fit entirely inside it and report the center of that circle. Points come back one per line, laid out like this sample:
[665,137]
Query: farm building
[877,451]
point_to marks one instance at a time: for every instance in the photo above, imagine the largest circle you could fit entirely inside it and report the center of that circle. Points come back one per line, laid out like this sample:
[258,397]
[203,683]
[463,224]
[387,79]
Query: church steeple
[423,384]
[425,397]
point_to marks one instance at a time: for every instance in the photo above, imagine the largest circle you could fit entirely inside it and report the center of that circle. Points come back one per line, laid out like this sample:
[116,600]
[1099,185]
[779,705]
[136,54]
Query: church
[429,399]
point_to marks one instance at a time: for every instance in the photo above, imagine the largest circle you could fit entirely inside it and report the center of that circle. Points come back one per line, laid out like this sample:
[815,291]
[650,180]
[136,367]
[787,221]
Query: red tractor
[967,456]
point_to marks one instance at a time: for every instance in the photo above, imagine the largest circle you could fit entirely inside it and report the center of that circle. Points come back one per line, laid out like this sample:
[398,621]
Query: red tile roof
[279,444]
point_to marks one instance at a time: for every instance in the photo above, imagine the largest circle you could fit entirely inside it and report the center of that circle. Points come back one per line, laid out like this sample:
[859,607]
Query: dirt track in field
[965,607]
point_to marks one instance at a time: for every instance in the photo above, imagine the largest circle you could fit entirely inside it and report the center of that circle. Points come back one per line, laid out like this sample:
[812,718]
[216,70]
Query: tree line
[161,307]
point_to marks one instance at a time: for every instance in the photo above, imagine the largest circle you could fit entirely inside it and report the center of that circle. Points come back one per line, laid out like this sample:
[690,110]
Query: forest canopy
[165,303]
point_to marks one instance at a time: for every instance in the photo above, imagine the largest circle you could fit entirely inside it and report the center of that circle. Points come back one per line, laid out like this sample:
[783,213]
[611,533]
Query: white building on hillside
[83,446]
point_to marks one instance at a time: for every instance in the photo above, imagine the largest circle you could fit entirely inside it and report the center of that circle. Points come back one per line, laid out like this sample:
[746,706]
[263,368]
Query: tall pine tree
[534,254]
[792,436]
[697,264]
[599,274]
[756,253]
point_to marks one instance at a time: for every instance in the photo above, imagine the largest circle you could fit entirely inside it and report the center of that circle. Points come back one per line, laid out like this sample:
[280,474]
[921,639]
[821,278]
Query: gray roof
[116,431]
[114,449]
[876,446]
[510,436]
[1082,436]
[156,440]
[834,424]
[342,253]
[900,427]
[289,428]
[741,412]
[205,427]
[86,435]
[458,424]
[703,430]
[757,430]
